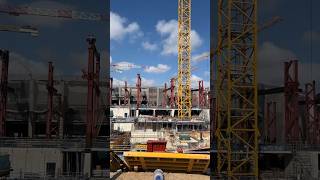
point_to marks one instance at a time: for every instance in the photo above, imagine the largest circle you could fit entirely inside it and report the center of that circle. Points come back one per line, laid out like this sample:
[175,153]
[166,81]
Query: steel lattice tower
[236,86]
[184,56]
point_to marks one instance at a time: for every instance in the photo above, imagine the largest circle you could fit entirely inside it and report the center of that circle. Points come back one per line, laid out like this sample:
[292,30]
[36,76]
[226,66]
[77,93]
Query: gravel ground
[167,176]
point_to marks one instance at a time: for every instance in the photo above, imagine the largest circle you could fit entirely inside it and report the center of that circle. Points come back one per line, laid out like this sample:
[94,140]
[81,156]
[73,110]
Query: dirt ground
[167,176]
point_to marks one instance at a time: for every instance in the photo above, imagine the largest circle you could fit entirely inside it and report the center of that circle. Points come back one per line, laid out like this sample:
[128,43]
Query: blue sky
[143,40]
[60,40]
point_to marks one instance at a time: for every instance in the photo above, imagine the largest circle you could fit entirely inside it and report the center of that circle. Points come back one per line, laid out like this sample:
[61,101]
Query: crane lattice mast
[236,90]
[184,55]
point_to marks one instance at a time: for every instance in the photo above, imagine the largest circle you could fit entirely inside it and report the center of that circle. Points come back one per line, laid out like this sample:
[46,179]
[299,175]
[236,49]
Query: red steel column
[164,98]
[310,113]
[3,90]
[90,95]
[111,88]
[291,85]
[172,102]
[126,93]
[51,91]
[96,95]
[138,86]
[271,116]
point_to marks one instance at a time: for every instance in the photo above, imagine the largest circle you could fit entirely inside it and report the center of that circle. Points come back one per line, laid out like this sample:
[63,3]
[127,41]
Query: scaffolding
[236,86]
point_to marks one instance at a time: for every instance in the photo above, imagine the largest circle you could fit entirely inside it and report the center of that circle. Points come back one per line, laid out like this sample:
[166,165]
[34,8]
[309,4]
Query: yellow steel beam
[170,162]
[184,56]
[236,86]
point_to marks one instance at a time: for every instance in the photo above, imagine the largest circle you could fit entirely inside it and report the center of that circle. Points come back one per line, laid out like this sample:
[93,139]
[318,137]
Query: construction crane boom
[58,13]
[20,29]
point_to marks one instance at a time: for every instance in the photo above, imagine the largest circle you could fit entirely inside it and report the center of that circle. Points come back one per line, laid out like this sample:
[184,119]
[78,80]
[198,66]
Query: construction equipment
[168,162]
[22,29]
[236,90]
[184,56]
[58,13]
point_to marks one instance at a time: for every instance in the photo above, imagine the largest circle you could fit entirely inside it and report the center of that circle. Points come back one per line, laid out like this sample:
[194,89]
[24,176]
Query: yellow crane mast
[184,56]
[236,88]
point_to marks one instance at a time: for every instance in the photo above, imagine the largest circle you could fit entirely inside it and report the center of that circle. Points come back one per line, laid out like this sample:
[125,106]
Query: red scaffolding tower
[270,122]
[92,76]
[172,100]
[311,114]
[291,85]
[51,92]
[138,86]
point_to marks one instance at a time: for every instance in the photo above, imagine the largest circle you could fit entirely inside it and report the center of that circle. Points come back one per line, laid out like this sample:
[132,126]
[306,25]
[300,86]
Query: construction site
[88,127]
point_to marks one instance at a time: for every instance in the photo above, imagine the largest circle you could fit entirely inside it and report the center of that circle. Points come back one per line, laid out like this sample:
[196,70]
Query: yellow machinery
[236,90]
[184,56]
[168,162]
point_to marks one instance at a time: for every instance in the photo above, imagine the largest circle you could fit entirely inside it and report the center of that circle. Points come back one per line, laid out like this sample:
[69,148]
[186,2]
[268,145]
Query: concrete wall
[33,160]
[122,127]
[119,112]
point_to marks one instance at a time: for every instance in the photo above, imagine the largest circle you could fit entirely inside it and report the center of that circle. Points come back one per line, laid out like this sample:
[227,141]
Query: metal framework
[126,93]
[164,98]
[291,90]
[236,90]
[172,98]
[138,86]
[111,88]
[184,55]
[202,95]
[311,114]
[4,55]
[270,122]
[92,76]
[51,92]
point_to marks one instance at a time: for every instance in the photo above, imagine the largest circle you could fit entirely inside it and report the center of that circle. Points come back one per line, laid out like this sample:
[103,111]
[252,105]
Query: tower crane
[58,13]
[184,56]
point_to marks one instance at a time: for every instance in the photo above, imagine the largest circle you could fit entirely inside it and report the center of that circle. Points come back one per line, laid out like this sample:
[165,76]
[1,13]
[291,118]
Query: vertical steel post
[51,91]
[4,55]
[291,85]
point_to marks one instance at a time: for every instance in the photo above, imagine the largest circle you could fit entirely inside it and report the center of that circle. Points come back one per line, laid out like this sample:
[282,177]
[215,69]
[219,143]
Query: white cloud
[117,82]
[160,68]
[110,59]
[80,60]
[169,31]
[144,82]
[149,46]
[201,57]
[271,65]
[311,35]
[124,66]
[271,60]
[195,81]
[21,66]
[119,28]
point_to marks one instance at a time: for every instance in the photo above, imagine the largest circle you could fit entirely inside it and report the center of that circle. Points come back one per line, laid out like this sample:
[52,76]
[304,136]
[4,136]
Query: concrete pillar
[154,113]
[87,164]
